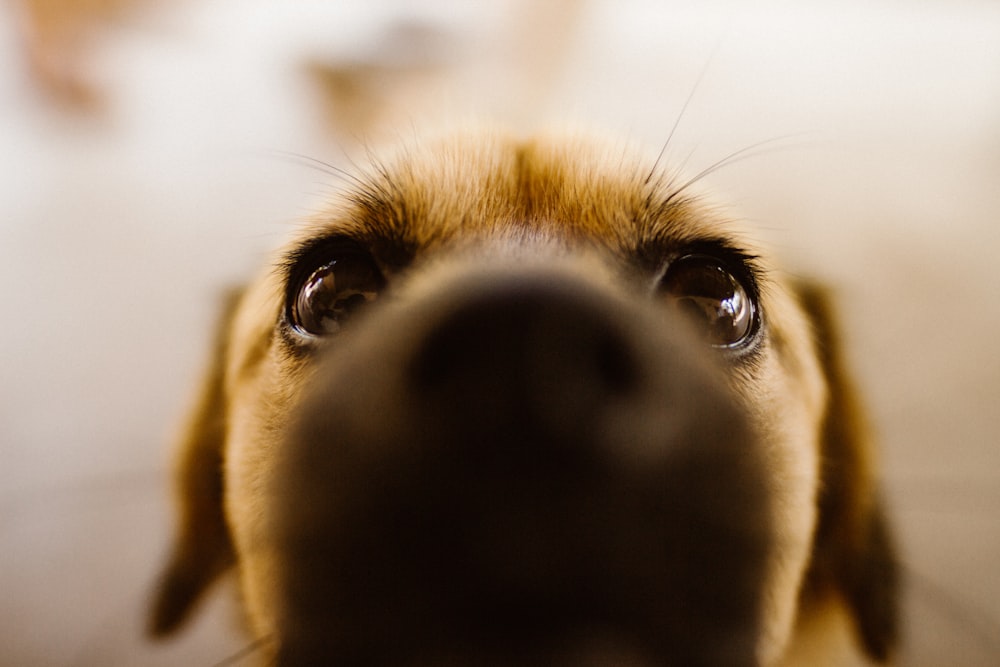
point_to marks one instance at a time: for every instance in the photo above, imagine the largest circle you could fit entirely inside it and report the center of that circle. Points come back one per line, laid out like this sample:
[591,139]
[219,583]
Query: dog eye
[716,302]
[331,293]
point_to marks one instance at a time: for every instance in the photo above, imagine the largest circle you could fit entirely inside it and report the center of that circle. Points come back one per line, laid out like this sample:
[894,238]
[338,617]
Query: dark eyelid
[310,254]
[390,254]
[731,255]
[744,265]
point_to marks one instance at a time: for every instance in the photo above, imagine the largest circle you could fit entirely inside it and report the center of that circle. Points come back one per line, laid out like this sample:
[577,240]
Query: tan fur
[591,214]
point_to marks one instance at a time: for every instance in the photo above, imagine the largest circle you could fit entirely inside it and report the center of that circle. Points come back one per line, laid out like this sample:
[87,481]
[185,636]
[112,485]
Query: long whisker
[677,171]
[681,114]
[736,156]
[319,165]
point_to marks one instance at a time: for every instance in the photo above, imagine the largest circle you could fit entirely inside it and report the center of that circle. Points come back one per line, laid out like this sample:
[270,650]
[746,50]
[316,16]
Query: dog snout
[517,472]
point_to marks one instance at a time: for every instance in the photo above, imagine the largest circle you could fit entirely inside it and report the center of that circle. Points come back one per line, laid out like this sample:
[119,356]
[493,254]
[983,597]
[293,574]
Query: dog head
[531,402]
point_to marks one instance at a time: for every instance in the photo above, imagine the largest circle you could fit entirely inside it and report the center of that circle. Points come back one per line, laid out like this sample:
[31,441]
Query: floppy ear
[202,549]
[853,550]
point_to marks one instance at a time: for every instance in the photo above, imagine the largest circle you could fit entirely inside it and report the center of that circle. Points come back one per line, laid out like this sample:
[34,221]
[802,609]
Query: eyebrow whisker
[733,158]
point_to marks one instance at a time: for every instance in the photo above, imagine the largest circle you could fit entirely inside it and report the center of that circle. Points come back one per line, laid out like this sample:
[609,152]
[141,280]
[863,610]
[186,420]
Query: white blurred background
[124,217]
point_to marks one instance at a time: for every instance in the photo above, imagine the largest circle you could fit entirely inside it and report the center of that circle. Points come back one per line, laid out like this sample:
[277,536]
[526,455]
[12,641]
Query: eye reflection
[334,292]
[712,298]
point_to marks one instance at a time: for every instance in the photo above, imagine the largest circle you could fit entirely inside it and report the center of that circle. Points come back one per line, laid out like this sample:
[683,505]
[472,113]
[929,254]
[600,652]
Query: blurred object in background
[503,62]
[59,38]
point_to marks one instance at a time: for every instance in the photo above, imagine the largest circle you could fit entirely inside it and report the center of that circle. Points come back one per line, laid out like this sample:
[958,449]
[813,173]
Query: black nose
[506,470]
[537,356]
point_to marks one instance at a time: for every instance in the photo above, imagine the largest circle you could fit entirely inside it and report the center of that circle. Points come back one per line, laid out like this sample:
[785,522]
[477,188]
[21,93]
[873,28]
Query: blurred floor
[120,229]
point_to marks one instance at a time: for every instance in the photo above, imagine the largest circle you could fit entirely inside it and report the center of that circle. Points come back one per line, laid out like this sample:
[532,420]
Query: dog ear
[853,551]
[202,549]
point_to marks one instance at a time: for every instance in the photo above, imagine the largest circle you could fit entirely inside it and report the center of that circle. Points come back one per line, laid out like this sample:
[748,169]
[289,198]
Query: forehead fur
[489,185]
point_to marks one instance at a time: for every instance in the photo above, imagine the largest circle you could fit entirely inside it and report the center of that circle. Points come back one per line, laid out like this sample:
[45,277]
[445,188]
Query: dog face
[530,402]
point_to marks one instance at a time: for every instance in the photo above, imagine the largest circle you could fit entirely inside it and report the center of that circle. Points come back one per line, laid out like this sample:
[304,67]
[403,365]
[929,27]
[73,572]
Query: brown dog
[530,402]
